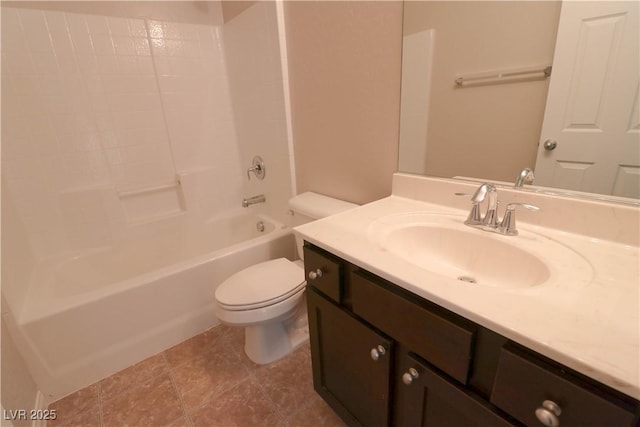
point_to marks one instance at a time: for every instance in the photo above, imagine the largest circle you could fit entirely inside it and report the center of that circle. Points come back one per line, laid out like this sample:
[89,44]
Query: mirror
[477,100]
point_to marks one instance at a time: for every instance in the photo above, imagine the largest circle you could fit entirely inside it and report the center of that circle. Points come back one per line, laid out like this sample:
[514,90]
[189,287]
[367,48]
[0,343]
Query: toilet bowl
[267,299]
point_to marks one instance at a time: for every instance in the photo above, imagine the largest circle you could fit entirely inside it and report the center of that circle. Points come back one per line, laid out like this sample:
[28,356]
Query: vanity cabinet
[352,363]
[384,356]
[425,397]
[523,381]
[438,337]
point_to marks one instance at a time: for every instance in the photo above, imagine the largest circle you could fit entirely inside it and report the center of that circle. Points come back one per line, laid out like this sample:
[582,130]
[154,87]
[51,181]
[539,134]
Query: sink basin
[443,245]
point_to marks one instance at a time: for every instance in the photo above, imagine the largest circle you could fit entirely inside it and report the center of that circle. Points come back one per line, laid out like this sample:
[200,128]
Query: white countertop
[591,326]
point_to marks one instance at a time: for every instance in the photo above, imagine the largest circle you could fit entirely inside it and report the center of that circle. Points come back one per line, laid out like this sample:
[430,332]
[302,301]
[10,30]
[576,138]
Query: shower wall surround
[255,62]
[98,110]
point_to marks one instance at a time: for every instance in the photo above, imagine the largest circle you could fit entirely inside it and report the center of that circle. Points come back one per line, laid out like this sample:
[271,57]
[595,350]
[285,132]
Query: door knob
[550,144]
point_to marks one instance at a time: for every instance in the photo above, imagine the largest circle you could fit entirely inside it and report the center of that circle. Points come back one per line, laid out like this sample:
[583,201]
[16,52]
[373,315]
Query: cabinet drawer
[442,342]
[329,282]
[522,383]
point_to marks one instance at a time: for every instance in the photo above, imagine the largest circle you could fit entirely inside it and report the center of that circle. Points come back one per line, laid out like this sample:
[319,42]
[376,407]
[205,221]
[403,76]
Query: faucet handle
[257,167]
[508,224]
[512,206]
[474,217]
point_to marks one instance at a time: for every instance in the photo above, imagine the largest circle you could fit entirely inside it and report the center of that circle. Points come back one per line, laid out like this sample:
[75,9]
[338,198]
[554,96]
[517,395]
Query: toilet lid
[261,284]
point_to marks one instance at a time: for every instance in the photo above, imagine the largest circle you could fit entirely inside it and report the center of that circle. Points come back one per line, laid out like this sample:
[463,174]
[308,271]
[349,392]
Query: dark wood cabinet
[327,272]
[522,384]
[426,398]
[352,363]
[384,356]
[440,338]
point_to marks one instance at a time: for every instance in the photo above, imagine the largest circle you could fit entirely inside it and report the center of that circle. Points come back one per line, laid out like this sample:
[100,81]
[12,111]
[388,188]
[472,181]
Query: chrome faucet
[253,200]
[526,175]
[490,217]
[490,221]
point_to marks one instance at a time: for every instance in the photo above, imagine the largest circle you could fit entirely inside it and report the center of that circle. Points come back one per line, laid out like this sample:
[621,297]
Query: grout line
[185,414]
[100,409]
[304,406]
[267,396]
[217,395]
[227,347]
[221,392]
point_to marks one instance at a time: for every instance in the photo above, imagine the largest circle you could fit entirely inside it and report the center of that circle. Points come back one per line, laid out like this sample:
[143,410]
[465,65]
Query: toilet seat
[246,290]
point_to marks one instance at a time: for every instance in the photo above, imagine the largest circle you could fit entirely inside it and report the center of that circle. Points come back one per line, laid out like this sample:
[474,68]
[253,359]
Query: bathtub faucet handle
[257,167]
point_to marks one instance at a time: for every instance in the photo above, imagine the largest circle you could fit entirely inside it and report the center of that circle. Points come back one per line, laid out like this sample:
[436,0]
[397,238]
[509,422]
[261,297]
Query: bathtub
[88,315]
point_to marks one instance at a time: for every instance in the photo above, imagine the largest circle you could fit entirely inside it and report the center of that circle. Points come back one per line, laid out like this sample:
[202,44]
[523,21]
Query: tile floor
[204,381]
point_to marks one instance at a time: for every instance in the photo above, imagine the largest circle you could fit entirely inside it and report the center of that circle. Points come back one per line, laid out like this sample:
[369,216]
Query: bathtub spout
[253,200]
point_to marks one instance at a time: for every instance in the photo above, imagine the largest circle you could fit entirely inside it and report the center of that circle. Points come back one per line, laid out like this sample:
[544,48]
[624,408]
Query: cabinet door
[351,363]
[426,398]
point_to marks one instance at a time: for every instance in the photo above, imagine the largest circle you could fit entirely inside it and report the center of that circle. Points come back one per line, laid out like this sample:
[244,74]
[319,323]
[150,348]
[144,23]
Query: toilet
[267,299]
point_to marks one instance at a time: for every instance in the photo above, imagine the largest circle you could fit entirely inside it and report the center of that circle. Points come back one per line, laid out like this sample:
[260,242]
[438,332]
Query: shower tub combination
[92,314]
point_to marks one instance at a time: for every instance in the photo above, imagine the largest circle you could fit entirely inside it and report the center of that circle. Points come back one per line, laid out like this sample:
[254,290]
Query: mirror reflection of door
[488,131]
[590,139]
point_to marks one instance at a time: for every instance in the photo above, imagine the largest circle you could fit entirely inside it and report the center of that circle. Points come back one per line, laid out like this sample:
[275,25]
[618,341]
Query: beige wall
[344,72]
[487,131]
[231,9]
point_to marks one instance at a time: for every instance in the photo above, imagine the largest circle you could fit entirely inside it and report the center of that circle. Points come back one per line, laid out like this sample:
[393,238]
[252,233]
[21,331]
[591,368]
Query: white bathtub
[92,314]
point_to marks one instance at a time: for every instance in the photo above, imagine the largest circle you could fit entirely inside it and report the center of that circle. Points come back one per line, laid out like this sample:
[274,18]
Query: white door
[592,105]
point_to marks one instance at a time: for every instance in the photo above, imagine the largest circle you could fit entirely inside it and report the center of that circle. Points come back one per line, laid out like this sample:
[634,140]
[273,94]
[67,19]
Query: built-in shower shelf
[152,203]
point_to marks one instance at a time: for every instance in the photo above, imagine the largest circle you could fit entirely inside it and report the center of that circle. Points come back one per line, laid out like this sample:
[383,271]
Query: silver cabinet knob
[548,414]
[409,376]
[377,352]
[315,274]
[550,144]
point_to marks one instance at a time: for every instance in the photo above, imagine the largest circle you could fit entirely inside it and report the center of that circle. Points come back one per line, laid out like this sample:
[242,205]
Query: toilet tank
[309,206]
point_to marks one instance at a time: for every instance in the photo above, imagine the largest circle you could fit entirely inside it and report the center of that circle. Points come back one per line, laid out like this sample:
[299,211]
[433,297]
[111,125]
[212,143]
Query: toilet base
[266,343]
